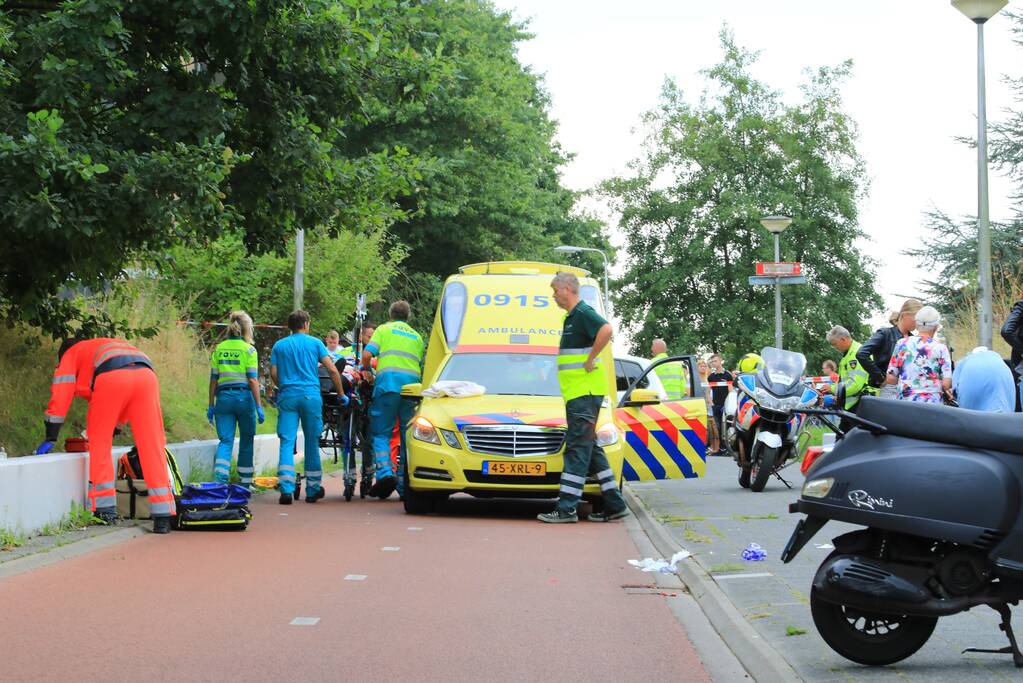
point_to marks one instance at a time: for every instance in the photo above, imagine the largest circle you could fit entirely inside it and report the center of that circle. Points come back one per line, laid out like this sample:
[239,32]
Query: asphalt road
[351,592]
[715,520]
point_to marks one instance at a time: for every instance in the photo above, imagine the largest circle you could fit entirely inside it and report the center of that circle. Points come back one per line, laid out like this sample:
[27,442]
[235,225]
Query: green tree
[690,211]
[949,251]
[211,282]
[492,189]
[129,127]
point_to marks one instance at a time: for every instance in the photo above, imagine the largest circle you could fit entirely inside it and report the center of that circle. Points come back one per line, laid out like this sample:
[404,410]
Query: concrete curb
[44,558]
[762,661]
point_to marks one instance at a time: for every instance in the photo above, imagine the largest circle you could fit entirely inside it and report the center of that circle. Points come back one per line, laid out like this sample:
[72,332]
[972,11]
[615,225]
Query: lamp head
[979,11]
[565,249]
[775,224]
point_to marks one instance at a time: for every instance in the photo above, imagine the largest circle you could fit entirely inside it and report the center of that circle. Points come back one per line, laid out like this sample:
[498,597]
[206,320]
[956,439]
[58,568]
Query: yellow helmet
[751,362]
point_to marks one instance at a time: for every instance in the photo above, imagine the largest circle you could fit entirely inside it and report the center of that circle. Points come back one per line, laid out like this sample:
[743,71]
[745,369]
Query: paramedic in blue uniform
[294,363]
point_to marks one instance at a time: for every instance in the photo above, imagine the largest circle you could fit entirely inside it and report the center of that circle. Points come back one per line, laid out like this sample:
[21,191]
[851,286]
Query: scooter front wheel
[867,637]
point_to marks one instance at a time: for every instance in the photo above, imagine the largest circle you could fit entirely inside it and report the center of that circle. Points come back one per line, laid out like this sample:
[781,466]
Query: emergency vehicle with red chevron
[497,325]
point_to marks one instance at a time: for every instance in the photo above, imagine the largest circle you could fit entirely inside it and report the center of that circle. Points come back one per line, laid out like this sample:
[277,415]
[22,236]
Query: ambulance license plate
[521,469]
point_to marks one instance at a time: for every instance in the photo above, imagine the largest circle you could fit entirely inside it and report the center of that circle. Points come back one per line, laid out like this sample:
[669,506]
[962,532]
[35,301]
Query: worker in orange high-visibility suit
[119,383]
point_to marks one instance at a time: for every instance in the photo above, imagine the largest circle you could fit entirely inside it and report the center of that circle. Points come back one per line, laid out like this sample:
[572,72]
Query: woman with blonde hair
[234,398]
[875,353]
[921,366]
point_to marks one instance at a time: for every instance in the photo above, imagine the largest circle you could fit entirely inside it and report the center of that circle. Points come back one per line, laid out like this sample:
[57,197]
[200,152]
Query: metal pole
[777,297]
[983,221]
[299,268]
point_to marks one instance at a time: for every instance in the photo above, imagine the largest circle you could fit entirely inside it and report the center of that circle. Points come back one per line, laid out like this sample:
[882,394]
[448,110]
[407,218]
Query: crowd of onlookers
[906,360]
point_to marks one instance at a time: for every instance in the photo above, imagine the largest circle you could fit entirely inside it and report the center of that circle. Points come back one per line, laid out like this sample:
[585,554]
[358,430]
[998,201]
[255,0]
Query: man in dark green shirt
[583,386]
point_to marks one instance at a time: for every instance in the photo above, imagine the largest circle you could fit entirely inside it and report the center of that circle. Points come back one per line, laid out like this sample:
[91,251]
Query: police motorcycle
[763,424]
[938,493]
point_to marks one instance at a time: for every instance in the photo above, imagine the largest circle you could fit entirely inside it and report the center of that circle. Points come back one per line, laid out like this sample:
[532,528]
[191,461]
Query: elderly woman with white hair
[921,366]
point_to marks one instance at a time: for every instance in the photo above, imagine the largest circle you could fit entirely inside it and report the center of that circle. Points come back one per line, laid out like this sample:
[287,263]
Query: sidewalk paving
[715,520]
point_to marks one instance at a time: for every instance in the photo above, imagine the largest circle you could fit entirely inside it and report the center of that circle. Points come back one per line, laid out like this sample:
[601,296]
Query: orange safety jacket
[78,369]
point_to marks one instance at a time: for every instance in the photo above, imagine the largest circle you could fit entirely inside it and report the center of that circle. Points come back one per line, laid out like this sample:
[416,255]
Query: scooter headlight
[423,430]
[818,488]
[607,435]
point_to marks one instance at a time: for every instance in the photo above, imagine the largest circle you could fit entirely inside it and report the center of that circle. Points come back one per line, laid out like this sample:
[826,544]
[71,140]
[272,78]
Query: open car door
[664,439]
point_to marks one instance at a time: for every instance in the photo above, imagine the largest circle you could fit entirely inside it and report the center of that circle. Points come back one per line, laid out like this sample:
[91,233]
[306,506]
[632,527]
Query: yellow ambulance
[497,325]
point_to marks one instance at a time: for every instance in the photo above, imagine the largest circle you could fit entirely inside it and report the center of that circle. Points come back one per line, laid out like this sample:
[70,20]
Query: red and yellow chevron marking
[665,441]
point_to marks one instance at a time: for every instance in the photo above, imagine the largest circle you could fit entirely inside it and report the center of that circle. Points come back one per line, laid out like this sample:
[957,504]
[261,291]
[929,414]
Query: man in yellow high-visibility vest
[583,387]
[399,352]
[672,375]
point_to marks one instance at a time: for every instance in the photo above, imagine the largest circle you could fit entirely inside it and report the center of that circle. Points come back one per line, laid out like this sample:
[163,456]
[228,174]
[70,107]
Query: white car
[628,368]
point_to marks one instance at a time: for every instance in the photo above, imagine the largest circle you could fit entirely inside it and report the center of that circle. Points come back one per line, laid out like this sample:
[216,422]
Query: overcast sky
[912,91]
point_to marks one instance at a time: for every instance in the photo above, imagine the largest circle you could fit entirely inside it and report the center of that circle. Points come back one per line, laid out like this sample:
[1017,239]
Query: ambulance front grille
[514,441]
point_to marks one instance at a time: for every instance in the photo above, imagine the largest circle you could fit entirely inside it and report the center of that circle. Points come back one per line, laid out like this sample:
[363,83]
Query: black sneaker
[383,488]
[320,493]
[558,517]
[285,499]
[608,516]
[106,517]
[161,525]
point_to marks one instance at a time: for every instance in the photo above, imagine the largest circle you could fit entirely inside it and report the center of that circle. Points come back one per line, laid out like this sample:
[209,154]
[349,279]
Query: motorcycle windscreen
[665,440]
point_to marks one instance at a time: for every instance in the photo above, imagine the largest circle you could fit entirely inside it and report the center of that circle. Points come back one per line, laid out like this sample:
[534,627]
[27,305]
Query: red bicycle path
[481,592]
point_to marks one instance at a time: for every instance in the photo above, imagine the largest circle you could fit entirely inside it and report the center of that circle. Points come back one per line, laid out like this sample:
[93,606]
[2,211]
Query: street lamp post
[567,249]
[776,225]
[979,11]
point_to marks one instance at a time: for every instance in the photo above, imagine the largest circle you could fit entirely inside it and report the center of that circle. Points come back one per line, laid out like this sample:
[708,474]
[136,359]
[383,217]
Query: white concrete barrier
[38,490]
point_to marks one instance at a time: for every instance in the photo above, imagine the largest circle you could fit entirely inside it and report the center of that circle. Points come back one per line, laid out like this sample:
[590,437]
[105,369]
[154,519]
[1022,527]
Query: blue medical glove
[209,414]
[260,415]
[44,448]
[829,401]
[344,400]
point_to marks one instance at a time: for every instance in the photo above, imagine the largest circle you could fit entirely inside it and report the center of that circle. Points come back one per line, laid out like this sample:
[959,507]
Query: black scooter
[939,491]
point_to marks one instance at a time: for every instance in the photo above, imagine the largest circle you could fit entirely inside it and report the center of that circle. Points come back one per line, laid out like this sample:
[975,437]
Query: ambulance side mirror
[414,391]
[642,397]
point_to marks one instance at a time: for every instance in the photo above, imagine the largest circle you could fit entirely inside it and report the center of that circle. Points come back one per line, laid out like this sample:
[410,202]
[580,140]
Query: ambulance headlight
[423,430]
[607,435]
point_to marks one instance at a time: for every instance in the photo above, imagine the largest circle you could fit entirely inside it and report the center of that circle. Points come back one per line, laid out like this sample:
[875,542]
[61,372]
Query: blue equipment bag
[213,506]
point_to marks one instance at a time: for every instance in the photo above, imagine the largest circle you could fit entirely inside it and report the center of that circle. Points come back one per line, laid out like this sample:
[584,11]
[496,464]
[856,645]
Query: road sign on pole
[770,280]
[779,269]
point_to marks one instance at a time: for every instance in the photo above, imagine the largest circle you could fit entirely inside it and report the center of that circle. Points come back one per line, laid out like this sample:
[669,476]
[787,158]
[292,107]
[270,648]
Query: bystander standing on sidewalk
[713,439]
[875,353]
[921,366]
[1012,333]
[719,375]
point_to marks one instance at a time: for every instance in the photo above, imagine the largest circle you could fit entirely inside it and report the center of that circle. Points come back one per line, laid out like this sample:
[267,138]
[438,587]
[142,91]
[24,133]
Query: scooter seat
[945,424]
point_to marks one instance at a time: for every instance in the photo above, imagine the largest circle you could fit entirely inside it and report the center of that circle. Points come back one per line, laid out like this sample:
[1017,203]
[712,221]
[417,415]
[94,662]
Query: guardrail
[38,490]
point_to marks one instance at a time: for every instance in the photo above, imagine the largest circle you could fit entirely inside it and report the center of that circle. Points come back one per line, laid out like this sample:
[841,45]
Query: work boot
[107,517]
[285,499]
[558,517]
[312,498]
[608,516]
[161,525]
[383,488]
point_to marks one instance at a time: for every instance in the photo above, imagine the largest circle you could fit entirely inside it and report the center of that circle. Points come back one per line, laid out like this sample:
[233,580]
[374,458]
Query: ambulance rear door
[664,439]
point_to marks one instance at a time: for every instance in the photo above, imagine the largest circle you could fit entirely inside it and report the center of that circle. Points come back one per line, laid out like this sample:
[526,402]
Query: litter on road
[754,553]
[305,621]
[390,548]
[662,566]
[355,577]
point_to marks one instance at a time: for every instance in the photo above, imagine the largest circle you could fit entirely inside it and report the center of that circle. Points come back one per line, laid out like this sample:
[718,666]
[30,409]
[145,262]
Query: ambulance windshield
[516,374]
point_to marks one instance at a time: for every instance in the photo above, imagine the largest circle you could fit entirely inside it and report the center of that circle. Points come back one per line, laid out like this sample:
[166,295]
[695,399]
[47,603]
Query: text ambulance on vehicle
[497,325]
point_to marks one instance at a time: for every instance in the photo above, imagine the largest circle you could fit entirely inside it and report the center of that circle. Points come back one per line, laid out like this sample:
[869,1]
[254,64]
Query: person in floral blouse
[921,366]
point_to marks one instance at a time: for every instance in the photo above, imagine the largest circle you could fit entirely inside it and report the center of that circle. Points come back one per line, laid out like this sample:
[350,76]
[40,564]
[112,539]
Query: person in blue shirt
[294,363]
[982,381]
[333,344]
